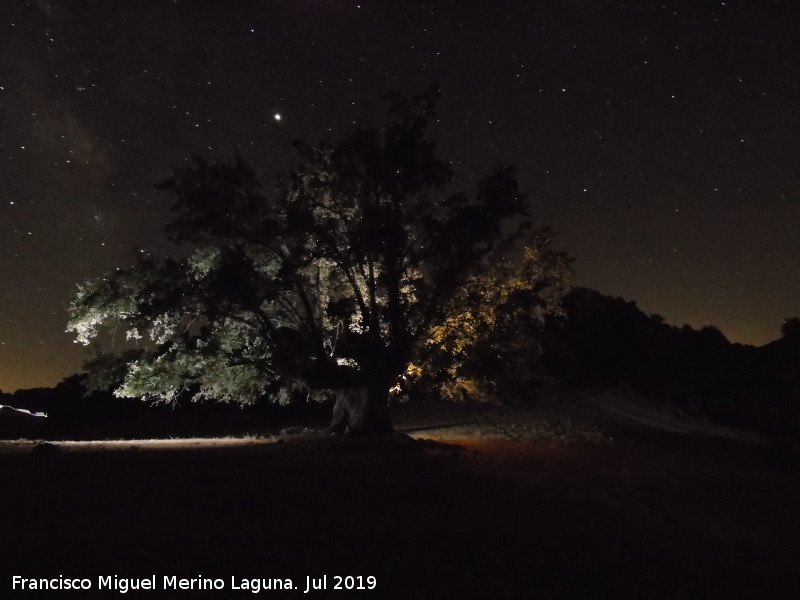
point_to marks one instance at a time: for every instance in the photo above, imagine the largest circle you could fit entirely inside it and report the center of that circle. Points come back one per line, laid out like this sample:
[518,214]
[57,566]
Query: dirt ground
[479,511]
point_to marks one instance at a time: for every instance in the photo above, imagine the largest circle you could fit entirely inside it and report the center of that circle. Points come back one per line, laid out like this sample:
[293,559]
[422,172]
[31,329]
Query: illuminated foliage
[360,263]
[491,335]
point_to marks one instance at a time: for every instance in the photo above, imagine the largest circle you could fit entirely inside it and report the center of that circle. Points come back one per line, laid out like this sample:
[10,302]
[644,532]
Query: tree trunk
[361,410]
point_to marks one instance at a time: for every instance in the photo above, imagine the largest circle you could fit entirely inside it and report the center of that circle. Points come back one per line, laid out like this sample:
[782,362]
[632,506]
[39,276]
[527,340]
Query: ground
[495,503]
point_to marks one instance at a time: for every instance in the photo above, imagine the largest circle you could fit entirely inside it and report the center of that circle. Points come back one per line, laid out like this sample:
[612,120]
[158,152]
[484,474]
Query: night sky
[659,139]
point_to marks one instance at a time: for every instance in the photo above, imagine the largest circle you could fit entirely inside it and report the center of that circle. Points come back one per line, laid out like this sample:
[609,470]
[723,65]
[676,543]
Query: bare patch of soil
[488,514]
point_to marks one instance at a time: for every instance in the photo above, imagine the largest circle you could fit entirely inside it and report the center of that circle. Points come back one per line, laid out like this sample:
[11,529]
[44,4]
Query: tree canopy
[360,267]
[790,330]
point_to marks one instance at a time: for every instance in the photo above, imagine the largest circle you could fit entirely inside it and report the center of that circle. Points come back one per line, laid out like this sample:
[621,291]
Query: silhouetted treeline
[75,413]
[607,342]
[603,342]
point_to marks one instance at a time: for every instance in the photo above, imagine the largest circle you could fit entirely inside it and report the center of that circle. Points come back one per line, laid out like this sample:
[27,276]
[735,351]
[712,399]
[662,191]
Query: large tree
[332,285]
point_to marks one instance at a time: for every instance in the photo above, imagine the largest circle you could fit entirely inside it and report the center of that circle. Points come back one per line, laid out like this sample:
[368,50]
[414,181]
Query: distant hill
[606,341]
[603,343]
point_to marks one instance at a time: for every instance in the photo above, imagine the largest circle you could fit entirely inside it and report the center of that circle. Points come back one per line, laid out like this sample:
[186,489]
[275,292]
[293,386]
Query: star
[729,147]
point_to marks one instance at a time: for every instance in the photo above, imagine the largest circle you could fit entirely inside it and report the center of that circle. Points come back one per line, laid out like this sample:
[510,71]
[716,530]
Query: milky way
[659,140]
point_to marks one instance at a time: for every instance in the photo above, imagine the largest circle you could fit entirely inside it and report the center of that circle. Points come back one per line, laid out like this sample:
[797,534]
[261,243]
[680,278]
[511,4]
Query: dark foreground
[652,517]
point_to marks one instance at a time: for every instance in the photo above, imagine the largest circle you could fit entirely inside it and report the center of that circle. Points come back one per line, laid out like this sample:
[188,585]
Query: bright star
[277,116]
